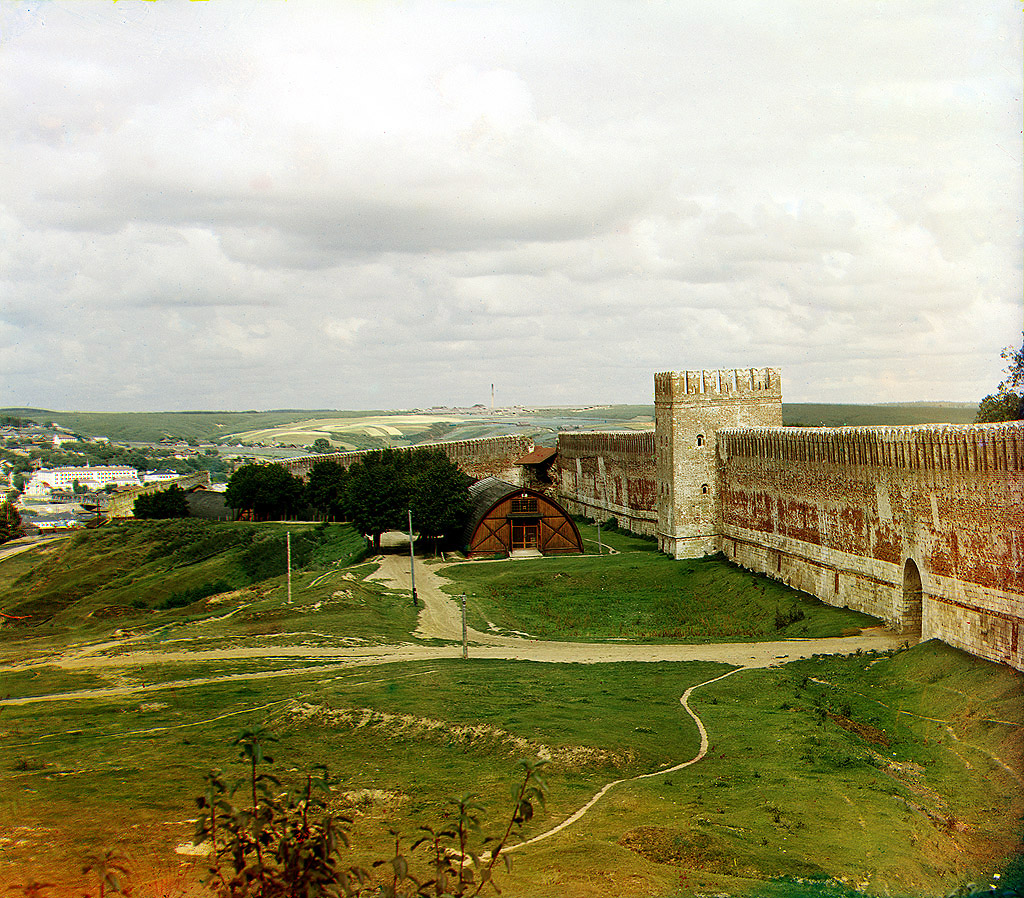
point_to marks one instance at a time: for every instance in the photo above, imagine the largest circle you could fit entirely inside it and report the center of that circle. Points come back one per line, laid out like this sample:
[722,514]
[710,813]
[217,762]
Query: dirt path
[684,700]
[16,547]
[440,618]
[440,615]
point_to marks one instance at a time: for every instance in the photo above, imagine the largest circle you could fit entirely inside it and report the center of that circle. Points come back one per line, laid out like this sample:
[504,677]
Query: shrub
[284,843]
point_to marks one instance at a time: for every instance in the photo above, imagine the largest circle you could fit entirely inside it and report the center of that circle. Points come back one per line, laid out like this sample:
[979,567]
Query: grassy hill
[892,775]
[372,429]
[643,594]
[126,571]
[811,414]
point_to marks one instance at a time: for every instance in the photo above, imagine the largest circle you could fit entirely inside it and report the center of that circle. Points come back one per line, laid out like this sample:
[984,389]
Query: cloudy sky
[238,204]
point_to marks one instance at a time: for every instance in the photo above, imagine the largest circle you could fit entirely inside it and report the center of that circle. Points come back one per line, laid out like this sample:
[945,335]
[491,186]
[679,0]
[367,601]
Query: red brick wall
[486,457]
[839,512]
[609,475]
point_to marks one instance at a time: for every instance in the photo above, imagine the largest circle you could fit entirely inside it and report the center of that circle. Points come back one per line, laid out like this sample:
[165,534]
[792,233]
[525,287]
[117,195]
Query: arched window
[700,440]
[704,489]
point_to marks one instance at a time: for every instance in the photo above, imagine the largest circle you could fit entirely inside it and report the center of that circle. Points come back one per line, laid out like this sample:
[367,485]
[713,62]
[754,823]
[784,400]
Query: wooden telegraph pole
[412,561]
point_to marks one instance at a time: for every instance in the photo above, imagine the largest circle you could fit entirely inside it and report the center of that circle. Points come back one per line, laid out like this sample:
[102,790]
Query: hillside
[373,429]
[131,570]
[811,414]
[889,774]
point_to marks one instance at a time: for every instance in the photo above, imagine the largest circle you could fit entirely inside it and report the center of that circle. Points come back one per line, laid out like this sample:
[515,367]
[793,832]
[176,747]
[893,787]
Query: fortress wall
[851,514]
[485,457]
[609,475]
[122,504]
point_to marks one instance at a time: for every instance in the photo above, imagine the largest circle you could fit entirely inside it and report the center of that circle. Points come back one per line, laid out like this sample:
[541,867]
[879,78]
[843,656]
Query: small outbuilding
[505,519]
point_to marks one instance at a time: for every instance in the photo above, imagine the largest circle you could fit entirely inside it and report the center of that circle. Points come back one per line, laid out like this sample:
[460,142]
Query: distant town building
[44,481]
[160,477]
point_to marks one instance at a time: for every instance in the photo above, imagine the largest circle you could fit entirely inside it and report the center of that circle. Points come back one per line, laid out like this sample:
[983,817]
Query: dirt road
[440,618]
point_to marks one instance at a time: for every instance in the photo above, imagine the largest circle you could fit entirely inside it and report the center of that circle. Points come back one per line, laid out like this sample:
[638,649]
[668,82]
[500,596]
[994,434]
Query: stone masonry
[922,527]
[609,475]
[690,407]
[485,457]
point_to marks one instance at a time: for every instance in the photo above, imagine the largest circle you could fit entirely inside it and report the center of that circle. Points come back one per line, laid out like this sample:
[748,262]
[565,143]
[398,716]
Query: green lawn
[641,594]
[883,773]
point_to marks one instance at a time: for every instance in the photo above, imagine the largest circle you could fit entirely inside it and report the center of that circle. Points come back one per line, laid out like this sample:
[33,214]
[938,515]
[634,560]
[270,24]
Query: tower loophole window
[700,440]
[704,489]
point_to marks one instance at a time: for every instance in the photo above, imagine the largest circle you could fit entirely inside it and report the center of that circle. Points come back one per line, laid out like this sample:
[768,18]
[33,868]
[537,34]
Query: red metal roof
[539,455]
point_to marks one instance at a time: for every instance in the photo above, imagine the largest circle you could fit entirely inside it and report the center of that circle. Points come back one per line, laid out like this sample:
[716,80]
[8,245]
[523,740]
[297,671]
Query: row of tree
[376,493]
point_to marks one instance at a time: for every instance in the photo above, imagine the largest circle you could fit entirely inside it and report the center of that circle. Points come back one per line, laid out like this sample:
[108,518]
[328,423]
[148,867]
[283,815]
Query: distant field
[362,432]
[155,426]
[809,414]
[374,429]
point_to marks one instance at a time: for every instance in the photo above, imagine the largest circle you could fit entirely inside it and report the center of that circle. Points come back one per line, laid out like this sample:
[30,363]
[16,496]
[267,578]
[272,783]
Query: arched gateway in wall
[506,519]
[910,616]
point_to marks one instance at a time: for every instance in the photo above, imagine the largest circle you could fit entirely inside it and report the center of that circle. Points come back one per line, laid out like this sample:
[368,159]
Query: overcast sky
[235,204]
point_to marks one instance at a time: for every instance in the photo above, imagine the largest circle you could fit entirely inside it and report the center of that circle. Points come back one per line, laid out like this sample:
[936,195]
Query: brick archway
[913,591]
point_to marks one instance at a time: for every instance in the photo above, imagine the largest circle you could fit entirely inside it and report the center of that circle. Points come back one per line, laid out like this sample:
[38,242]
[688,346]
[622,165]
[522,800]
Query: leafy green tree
[1007,404]
[438,494]
[267,492]
[10,523]
[321,445]
[168,503]
[326,489]
[378,493]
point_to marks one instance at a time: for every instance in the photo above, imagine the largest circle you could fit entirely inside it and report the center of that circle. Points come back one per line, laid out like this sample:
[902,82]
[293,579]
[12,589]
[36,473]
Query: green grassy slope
[885,775]
[126,570]
[809,414]
[888,775]
[642,594]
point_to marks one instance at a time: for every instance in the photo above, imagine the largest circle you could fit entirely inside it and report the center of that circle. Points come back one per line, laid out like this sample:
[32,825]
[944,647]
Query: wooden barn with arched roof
[505,519]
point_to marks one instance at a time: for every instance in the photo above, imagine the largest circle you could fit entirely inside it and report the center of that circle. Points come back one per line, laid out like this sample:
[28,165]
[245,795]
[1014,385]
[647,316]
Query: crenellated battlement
[979,448]
[598,442]
[719,384]
[920,526]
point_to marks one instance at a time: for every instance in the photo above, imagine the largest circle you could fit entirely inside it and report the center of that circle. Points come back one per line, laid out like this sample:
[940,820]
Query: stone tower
[689,408]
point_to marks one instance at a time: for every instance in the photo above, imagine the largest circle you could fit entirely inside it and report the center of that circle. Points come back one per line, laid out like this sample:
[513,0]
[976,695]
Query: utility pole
[412,561]
[288,543]
[465,648]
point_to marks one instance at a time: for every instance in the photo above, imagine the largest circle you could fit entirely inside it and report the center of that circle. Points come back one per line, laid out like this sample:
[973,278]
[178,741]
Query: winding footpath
[703,750]
[440,619]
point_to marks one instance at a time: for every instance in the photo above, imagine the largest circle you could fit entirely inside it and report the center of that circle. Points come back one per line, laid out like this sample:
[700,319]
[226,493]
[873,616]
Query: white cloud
[260,205]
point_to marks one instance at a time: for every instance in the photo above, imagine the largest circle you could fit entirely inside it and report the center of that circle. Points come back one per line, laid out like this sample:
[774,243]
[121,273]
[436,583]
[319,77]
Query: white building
[160,477]
[44,481]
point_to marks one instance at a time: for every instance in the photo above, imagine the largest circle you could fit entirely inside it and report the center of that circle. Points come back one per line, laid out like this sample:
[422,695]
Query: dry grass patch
[478,737]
